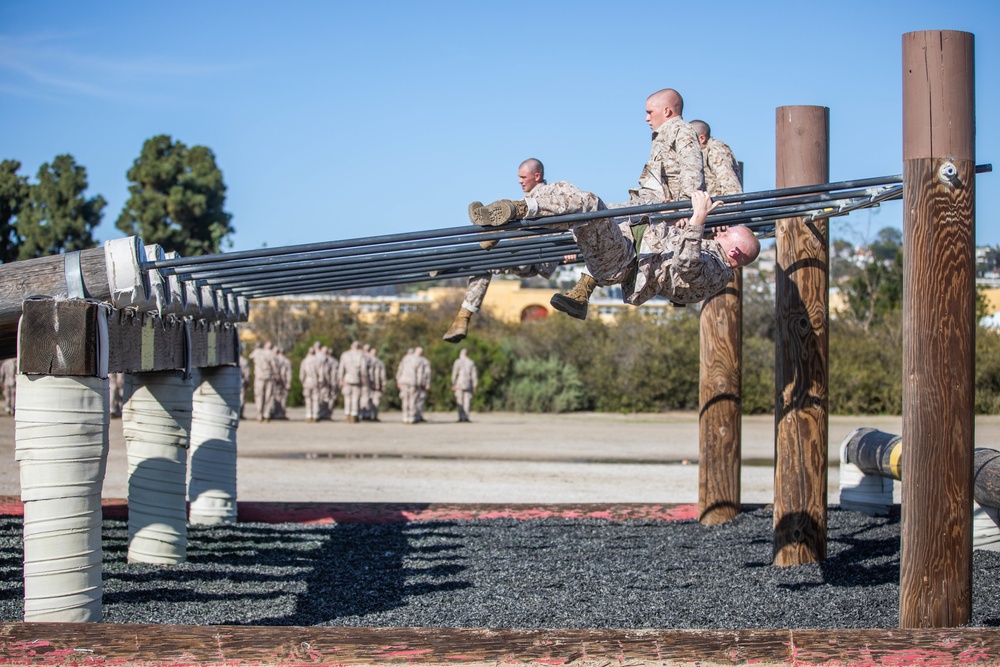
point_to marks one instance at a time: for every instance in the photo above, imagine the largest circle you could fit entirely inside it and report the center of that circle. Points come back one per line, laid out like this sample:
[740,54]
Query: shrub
[544,385]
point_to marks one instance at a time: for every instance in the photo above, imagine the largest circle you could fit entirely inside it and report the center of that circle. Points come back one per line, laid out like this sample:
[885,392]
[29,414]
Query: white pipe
[156,422]
[61,441]
[215,416]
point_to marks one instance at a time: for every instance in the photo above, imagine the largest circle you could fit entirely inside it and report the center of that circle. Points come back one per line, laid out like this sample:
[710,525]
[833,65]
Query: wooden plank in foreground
[234,646]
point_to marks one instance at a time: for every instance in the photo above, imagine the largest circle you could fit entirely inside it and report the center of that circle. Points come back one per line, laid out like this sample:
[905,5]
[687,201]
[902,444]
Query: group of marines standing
[359,375]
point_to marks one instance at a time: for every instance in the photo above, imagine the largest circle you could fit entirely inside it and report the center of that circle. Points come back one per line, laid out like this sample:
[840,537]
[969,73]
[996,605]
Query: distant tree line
[639,363]
[176,200]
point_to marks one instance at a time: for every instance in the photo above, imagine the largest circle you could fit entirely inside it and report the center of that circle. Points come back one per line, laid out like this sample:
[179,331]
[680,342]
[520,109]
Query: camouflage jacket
[676,263]
[722,171]
[675,168]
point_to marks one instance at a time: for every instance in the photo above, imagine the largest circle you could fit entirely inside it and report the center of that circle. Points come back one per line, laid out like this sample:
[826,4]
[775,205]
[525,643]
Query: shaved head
[739,245]
[701,127]
[668,98]
[530,173]
[533,164]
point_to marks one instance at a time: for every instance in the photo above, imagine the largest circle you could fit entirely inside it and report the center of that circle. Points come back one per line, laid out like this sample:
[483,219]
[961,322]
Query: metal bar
[453,231]
[469,258]
[410,277]
[368,260]
[453,269]
[724,216]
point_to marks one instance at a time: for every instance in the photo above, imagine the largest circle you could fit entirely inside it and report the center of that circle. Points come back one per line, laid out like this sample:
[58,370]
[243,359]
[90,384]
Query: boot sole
[453,338]
[564,304]
[499,213]
[475,209]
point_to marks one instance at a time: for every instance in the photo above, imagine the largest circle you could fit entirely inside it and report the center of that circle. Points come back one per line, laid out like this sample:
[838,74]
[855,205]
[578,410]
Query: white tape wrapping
[128,284]
[61,446]
[156,423]
[159,290]
[215,418]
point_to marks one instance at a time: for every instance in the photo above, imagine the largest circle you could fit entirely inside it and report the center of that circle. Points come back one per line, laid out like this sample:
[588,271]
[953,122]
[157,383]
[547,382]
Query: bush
[544,385]
[866,367]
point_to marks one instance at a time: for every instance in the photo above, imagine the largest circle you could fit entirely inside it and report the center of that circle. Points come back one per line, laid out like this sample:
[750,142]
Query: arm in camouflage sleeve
[691,163]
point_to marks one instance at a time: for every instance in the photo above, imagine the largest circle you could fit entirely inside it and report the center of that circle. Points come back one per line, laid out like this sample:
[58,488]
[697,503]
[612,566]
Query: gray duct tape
[75,289]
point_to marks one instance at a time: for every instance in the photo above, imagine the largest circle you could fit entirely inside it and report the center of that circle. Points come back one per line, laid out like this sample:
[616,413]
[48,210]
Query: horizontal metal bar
[374,259]
[469,257]
[422,276]
[451,232]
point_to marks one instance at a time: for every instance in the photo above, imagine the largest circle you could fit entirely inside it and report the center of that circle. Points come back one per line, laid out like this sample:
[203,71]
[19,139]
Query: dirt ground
[499,457]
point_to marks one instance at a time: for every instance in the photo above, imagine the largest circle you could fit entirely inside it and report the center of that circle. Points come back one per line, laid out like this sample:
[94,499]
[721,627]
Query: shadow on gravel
[284,574]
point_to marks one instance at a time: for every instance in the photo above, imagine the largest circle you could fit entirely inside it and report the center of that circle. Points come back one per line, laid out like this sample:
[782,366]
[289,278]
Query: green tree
[57,217]
[177,198]
[877,289]
[14,194]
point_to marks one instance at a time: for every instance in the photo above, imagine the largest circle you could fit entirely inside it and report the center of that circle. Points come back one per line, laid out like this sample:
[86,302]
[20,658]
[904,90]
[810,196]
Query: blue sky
[335,120]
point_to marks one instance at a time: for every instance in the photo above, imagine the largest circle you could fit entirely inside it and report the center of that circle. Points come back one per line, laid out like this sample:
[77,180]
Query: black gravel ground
[546,573]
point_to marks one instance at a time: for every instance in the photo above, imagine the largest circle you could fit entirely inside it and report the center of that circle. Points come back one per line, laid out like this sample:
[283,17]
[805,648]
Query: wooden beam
[152,645]
[939,328]
[61,337]
[801,348]
[45,275]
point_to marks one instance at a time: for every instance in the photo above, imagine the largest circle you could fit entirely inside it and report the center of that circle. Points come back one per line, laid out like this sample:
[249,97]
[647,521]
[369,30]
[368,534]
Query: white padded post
[156,422]
[61,436]
[215,417]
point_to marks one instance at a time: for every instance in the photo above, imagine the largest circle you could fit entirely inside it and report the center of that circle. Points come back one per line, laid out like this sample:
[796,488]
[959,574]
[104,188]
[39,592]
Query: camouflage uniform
[406,381]
[8,379]
[464,382]
[329,369]
[353,375]
[244,382]
[283,384]
[675,167]
[309,372]
[264,374]
[422,386]
[673,262]
[116,387]
[377,379]
[722,171]
[479,283]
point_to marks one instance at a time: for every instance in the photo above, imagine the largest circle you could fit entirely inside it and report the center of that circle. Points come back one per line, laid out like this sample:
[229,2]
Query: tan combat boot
[499,212]
[460,327]
[574,302]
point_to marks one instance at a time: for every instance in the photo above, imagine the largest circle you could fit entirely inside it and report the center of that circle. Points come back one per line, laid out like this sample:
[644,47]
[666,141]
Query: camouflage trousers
[311,397]
[607,243]
[463,398]
[352,399]
[408,396]
[478,284]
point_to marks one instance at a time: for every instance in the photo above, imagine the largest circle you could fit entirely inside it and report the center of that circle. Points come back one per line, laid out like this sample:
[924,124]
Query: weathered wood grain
[938,329]
[801,348]
[719,447]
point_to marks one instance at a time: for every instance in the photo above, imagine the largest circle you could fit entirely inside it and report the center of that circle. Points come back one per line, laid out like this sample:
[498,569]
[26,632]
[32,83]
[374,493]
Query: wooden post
[938,328]
[801,354]
[721,407]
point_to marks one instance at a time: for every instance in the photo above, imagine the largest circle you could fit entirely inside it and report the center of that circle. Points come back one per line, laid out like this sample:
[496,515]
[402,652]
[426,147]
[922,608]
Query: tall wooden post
[938,328]
[802,360]
[721,406]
